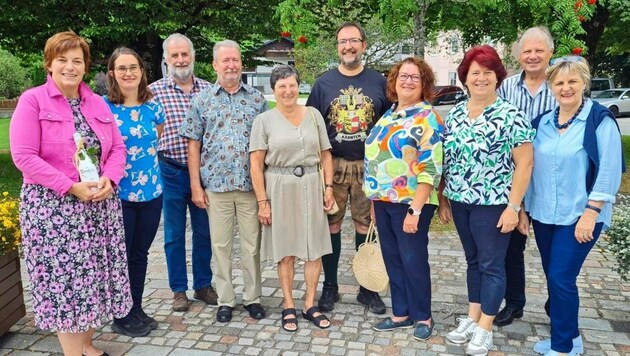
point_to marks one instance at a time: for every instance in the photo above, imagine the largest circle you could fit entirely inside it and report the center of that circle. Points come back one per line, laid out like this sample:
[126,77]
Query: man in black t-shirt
[351,98]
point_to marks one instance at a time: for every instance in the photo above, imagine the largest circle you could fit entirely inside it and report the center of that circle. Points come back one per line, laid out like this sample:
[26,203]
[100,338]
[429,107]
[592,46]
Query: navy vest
[595,117]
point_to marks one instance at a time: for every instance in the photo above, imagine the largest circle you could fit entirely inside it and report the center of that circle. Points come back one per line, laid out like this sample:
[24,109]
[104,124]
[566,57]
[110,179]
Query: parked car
[616,100]
[304,88]
[447,94]
[598,85]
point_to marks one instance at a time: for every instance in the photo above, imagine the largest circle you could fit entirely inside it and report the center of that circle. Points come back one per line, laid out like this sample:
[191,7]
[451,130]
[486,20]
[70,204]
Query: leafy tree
[142,25]
[14,78]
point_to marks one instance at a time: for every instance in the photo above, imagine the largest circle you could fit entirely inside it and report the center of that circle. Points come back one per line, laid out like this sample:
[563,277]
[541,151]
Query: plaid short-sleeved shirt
[176,104]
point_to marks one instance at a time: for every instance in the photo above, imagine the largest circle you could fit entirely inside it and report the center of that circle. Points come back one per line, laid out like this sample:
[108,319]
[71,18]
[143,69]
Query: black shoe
[548,308]
[507,316]
[140,314]
[330,295]
[224,314]
[130,326]
[371,300]
[256,311]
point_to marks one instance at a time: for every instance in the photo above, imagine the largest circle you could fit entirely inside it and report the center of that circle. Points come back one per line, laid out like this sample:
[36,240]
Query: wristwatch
[516,208]
[414,212]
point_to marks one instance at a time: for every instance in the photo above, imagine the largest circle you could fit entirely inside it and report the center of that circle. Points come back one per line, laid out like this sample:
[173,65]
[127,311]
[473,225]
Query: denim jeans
[177,198]
[485,248]
[141,221]
[562,258]
[406,259]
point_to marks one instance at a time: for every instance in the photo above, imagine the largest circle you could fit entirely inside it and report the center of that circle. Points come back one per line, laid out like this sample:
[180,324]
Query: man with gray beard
[175,92]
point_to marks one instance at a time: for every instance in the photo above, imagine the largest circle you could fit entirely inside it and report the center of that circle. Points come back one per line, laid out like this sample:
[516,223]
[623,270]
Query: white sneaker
[480,343]
[464,330]
[544,346]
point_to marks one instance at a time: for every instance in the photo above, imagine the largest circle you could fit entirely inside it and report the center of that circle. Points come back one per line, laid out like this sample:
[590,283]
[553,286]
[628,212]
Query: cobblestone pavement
[604,315]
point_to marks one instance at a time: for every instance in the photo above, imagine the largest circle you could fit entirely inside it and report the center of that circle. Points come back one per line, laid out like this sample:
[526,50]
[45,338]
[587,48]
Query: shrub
[14,79]
[9,224]
[617,240]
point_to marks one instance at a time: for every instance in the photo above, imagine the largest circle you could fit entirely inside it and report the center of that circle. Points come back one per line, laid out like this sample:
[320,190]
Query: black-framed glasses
[567,59]
[353,41]
[414,78]
[134,69]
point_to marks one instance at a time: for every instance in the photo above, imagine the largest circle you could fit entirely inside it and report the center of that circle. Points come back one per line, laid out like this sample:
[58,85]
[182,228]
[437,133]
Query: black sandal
[316,320]
[289,311]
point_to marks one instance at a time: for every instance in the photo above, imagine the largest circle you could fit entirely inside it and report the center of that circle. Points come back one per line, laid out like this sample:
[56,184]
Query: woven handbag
[368,265]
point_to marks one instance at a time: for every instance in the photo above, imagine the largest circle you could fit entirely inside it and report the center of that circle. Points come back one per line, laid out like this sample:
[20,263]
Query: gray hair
[176,37]
[538,32]
[570,65]
[222,44]
[283,71]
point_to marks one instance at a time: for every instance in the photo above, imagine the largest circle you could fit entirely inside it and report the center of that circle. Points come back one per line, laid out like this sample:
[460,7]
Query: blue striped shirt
[515,91]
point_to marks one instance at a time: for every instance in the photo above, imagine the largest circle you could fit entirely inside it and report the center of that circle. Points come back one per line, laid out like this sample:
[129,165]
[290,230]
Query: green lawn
[4,134]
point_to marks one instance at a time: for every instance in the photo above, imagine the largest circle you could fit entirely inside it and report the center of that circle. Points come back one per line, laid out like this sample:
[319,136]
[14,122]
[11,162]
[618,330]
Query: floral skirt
[76,259]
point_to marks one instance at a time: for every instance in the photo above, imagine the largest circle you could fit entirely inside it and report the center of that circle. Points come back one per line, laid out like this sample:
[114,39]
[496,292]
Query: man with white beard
[175,92]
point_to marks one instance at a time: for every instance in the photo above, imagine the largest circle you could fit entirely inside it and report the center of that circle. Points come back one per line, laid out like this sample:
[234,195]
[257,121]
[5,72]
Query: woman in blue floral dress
[73,236]
[140,119]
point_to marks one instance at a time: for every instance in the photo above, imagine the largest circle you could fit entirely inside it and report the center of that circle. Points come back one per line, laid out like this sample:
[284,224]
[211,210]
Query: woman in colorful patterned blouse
[578,168]
[403,166]
[140,120]
[487,167]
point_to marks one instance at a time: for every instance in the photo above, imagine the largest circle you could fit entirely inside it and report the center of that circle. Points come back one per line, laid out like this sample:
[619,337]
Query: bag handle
[372,236]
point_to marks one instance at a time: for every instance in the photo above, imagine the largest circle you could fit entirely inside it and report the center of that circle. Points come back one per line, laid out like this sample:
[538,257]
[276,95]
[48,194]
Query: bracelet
[328,186]
[594,208]
[515,207]
[267,200]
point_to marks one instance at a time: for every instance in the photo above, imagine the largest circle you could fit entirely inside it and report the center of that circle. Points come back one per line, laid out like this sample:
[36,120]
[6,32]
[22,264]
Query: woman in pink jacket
[73,237]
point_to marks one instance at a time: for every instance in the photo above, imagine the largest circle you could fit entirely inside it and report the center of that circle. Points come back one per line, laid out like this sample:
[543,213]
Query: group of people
[182,145]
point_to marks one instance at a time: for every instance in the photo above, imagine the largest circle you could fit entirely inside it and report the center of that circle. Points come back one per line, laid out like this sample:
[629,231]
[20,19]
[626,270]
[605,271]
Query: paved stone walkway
[604,315]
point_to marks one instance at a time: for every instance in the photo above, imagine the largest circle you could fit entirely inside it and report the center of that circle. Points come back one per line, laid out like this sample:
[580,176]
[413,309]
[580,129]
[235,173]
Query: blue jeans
[141,221]
[562,258]
[485,248]
[406,259]
[177,198]
[515,271]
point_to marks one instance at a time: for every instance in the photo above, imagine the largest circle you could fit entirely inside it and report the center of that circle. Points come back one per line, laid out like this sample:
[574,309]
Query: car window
[608,94]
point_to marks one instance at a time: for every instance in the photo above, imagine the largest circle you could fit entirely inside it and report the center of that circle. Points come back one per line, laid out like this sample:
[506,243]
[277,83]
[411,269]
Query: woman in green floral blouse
[488,161]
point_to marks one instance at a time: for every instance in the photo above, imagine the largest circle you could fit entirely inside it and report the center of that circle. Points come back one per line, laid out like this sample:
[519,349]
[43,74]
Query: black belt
[297,171]
[171,162]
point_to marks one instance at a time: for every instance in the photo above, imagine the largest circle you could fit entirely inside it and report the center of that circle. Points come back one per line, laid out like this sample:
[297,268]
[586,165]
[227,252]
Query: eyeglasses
[567,59]
[123,70]
[414,78]
[352,41]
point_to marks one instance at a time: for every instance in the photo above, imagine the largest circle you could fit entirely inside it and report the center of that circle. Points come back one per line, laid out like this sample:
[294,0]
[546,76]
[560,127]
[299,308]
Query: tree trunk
[419,28]
[594,29]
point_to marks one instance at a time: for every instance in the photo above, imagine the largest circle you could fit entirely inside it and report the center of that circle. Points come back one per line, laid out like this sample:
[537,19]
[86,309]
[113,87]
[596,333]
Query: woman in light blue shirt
[577,172]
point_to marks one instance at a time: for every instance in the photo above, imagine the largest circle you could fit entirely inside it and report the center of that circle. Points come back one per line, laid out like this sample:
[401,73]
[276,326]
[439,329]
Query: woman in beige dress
[286,145]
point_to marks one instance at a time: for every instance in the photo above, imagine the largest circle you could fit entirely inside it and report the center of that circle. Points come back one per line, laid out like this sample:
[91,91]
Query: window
[452,78]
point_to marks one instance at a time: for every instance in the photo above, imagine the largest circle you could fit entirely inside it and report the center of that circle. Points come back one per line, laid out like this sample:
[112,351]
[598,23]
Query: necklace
[556,114]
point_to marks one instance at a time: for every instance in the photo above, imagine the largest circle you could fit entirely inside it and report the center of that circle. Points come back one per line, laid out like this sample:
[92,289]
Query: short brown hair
[427,79]
[486,56]
[62,42]
[113,90]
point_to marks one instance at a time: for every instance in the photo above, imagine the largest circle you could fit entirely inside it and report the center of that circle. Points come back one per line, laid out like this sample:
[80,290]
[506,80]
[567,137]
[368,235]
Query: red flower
[577,51]
[581,18]
[592,2]
[302,39]
[285,34]
[578,5]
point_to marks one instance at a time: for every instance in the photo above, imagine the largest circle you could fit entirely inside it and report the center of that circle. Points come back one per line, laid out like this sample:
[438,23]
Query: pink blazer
[40,136]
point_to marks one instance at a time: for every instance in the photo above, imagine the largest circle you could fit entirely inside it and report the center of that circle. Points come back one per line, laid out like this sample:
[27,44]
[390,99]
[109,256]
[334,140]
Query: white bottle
[83,162]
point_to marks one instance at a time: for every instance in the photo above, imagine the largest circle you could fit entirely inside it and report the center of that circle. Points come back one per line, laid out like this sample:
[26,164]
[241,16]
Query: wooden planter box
[11,295]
